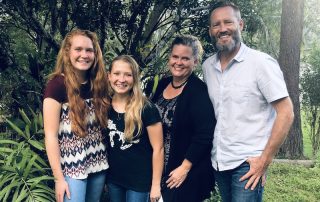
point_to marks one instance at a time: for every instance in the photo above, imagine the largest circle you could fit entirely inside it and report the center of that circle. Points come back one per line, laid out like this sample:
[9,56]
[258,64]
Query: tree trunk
[289,60]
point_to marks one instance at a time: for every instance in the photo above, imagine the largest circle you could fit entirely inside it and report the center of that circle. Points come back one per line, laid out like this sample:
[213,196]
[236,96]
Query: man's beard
[236,38]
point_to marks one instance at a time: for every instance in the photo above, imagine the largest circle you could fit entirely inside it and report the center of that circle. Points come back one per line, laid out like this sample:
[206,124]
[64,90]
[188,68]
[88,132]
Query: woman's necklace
[179,86]
[118,116]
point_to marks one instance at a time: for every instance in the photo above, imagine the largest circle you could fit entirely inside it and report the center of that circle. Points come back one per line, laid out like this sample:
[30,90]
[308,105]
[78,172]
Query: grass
[291,183]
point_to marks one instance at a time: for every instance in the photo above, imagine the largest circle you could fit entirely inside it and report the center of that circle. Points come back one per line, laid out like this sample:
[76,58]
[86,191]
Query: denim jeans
[232,190]
[86,190]
[118,193]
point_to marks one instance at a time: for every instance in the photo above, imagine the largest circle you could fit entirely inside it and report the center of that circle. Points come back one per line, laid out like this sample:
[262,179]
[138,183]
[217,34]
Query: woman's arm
[51,115]
[156,140]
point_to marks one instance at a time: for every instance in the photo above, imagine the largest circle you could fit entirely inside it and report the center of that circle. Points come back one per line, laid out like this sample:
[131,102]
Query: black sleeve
[203,122]
[150,114]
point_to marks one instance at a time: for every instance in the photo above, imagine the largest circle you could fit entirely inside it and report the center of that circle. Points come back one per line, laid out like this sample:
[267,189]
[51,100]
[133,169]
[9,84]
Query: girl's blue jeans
[86,190]
[118,193]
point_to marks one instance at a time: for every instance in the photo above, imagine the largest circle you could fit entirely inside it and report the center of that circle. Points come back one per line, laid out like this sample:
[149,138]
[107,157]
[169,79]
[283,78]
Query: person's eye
[214,25]
[90,50]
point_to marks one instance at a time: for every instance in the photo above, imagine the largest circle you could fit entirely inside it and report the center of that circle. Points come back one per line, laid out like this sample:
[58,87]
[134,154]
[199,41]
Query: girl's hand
[61,187]
[155,193]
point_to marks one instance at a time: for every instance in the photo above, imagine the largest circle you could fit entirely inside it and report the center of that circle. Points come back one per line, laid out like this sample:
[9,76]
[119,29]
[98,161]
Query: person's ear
[241,24]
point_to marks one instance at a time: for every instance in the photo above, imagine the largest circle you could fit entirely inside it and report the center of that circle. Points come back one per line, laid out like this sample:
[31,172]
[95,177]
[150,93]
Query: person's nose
[84,54]
[179,61]
[222,27]
[122,77]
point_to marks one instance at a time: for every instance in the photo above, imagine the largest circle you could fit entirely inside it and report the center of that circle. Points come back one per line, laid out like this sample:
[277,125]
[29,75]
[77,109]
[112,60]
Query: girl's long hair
[136,101]
[97,78]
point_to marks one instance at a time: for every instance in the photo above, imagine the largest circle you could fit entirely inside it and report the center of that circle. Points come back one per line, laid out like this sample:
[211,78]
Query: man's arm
[280,129]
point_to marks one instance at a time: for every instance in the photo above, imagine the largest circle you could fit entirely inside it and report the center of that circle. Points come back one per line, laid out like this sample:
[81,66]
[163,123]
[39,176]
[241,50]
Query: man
[252,107]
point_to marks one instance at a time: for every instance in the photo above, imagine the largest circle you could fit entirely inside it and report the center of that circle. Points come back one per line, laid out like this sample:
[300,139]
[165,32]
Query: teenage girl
[75,107]
[135,150]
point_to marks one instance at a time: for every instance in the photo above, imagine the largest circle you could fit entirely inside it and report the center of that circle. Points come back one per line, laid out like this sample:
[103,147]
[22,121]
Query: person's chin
[83,67]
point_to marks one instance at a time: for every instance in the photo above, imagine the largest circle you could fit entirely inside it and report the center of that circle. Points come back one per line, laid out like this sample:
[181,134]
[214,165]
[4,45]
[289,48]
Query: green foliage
[215,196]
[24,173]
[311,97]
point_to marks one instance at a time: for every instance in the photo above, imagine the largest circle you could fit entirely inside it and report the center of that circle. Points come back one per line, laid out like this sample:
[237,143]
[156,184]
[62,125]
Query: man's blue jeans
[118,193]
[85,190]
[232,190]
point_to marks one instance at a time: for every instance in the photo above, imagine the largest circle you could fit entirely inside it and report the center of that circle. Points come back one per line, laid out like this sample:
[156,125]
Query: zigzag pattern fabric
[81,156]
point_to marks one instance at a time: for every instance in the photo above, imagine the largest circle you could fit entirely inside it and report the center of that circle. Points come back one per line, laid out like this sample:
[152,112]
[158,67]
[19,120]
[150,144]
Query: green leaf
[16,128]
[6,178]
[23,194]
[44,164]
[42,197]
[41,178]
[27,131]
[40,131]
[24,117]
[5,192]
[36,144]
[8,142]
[43,189]
[22,164]
[10,159]
[5,150]
[34,126]
[155,83]
[7,168]
[32,112]
[40,118]
[16,193]
[29,166]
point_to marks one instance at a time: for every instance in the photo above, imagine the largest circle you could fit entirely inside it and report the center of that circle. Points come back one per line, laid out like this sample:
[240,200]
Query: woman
[74,108]
[188,124]
[135,149]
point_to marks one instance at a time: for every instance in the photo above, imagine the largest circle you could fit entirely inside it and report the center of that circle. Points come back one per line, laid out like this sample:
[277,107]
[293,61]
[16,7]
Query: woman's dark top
[166,108]
[131,162]
[192,134]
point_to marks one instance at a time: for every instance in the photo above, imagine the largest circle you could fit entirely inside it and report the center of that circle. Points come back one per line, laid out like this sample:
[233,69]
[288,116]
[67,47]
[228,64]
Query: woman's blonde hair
[136,100]
[96,76]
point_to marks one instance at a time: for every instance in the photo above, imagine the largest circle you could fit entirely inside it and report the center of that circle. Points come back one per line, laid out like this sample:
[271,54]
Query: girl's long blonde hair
[136,101]
[96,76]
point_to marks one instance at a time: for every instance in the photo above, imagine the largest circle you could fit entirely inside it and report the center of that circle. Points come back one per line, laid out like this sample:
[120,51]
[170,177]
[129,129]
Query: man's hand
[258,168]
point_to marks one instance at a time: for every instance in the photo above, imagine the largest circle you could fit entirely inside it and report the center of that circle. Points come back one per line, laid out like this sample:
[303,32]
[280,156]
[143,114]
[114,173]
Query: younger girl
[135,152]
[74,108]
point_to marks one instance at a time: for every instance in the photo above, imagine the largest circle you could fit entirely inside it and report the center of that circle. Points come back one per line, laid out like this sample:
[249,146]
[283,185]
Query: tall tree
[289,59]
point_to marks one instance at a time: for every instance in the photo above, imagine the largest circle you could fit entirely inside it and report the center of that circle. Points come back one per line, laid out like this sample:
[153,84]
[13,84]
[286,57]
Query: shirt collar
[239,57]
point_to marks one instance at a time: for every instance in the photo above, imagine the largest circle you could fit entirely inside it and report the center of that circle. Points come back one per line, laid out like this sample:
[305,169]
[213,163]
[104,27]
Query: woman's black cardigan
[193,126]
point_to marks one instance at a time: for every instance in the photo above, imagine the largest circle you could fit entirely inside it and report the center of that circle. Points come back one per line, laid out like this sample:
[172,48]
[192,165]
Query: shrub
[24,171]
